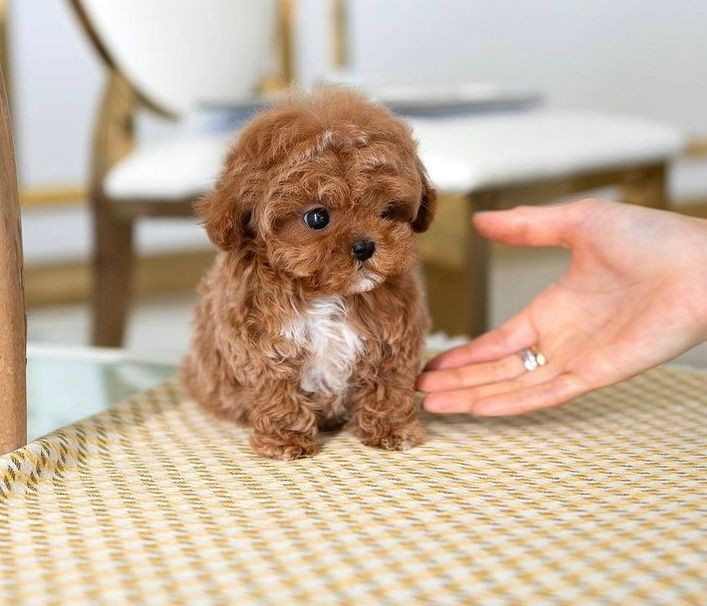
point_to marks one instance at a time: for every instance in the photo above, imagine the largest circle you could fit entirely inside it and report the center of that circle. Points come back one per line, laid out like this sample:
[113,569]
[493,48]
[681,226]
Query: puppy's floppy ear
[428,202]
[226,212]
[225,217]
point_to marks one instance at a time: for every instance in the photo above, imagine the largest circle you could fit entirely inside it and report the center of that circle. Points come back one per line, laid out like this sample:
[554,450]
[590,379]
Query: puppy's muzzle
[363,249]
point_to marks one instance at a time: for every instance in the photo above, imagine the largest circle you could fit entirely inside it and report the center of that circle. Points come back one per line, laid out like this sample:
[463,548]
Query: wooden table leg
[113,262]
[113,234]
[475,273]
[456,266]
[646,187]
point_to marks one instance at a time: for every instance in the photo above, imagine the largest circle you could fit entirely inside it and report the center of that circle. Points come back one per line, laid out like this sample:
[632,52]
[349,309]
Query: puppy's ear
[227,212]
[428,202]
[225,217]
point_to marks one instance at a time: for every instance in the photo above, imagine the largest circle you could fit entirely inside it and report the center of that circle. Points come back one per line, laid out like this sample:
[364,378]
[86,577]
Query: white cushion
[173,170]
[462,154]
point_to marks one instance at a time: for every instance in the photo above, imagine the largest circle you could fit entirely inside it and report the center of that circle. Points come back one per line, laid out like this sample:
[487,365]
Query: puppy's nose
[363,249]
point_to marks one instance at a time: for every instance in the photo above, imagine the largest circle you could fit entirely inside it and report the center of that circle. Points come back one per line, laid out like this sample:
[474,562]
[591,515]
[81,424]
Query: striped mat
[156,502]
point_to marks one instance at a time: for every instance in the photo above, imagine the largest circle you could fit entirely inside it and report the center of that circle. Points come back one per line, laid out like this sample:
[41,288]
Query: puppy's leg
[384,410]
[283,426]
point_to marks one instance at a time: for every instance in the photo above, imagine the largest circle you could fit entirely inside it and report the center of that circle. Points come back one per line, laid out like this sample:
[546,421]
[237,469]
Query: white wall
[642,56]
[55,82]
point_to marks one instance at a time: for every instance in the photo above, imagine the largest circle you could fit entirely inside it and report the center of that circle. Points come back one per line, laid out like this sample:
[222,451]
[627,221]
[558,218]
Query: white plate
[403,99]
[418,100]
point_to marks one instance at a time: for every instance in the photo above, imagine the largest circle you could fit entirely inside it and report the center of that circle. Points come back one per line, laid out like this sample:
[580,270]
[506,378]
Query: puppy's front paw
[396,438]
[285,446]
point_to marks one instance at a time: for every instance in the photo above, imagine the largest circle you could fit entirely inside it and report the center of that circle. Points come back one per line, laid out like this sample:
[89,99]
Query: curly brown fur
[293,333]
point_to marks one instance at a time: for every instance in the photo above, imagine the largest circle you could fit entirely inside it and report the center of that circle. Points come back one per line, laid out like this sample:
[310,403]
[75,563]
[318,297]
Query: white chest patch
[332,345]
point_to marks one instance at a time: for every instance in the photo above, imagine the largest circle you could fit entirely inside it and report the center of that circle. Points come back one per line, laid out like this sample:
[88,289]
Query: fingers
[463,399]
[507,397]
[521,226]
[512,336]
[532,225]
[470,376]
[555,392]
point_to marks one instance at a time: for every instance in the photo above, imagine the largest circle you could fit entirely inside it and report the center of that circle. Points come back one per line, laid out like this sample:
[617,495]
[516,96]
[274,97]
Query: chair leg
[457,282]
[112,276]
[475,270]
[646,187]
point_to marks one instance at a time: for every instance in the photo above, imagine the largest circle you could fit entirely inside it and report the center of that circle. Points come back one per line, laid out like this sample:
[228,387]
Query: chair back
[13,335]
[179,53]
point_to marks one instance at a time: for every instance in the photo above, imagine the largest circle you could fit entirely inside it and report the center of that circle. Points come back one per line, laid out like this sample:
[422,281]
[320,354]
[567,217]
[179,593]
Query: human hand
[635,295]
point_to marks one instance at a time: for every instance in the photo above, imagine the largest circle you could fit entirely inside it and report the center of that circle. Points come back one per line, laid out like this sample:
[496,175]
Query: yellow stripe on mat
[157,502]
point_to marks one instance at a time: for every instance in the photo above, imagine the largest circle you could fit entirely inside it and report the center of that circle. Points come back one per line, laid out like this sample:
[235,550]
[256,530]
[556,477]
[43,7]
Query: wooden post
[646,187]
[13,331]
[113,235]
[476,271]
[456,265]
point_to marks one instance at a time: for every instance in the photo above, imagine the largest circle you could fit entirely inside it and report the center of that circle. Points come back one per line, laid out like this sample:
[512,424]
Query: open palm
[635,295]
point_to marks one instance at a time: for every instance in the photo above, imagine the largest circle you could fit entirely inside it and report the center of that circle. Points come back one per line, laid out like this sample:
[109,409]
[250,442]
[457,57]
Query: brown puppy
[312,315]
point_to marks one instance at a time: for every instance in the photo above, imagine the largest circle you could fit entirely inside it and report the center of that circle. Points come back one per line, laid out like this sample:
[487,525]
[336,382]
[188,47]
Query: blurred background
[122,111]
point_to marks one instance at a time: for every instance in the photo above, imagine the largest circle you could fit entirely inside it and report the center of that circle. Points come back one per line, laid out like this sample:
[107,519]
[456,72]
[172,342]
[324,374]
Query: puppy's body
[294,331]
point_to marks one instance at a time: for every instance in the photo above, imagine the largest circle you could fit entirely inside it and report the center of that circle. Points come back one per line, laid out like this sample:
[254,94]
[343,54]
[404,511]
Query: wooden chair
[165,58]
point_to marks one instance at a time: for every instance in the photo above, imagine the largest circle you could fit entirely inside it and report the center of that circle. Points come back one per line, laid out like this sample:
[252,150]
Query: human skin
[634,296]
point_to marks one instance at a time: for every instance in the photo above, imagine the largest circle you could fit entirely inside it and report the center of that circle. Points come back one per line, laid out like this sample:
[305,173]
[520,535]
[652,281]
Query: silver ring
[532,359]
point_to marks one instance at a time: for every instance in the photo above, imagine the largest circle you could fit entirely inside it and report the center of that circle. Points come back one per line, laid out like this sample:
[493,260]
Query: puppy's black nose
[363,249]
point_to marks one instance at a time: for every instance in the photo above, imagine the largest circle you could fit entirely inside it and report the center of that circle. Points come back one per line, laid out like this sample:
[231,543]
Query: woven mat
[156,502]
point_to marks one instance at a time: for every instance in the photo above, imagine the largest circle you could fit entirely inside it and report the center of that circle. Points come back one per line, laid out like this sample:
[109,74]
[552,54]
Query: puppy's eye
[317,218]
[394,212]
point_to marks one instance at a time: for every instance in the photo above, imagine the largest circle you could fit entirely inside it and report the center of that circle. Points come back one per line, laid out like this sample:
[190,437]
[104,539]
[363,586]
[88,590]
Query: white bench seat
[462,154]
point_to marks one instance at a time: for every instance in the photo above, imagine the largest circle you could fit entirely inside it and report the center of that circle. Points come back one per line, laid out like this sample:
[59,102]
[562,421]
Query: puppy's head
[327,189]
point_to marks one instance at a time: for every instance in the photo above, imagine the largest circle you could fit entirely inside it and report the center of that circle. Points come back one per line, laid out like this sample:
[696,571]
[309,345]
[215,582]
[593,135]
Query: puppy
[312,316]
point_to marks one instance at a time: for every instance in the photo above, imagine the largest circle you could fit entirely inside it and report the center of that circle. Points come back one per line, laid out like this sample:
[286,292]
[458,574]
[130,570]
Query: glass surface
[66,385]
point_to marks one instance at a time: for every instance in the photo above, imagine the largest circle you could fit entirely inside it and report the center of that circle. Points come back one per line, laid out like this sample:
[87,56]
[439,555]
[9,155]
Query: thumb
[530,225]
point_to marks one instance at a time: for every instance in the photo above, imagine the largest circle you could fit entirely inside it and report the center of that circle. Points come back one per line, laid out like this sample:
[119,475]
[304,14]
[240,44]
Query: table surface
[157,501]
